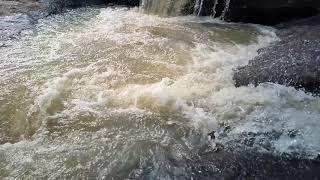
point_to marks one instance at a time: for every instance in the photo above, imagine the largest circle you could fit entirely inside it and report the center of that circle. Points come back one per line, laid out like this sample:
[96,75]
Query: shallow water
[115,94]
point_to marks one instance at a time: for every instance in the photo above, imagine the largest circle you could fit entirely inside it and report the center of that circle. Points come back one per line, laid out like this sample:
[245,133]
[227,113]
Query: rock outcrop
[271,12]
[268,12]
[294,61]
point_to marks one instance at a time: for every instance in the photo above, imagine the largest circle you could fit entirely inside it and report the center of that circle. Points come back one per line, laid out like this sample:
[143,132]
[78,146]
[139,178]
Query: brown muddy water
[114,93]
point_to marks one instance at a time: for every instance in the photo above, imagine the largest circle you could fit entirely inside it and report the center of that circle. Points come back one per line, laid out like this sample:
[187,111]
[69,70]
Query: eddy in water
[118,94]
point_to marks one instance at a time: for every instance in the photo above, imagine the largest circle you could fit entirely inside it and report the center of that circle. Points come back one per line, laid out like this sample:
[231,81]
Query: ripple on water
[116,93]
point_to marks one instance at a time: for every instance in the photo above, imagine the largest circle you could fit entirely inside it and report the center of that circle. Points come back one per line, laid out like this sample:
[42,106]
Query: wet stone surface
[293,61]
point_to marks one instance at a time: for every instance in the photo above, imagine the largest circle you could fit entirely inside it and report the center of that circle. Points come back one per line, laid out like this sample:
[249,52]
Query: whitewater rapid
[112,92]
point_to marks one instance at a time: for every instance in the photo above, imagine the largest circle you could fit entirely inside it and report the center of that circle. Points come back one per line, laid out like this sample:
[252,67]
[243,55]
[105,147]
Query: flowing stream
[115,93]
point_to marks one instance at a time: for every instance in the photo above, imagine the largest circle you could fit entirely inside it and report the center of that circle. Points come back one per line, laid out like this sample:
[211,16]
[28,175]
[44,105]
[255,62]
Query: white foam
[118,82]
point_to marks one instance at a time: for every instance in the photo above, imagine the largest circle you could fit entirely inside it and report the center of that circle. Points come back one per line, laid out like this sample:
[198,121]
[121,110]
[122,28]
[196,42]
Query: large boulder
[294,61]
[271,12]
[268,12]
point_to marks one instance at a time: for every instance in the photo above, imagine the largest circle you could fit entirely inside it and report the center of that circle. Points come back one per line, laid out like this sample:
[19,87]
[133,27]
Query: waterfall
[163,7]
[226,8]
[200,8]
[142,5]
[214,8]
[174,7]
[196,7]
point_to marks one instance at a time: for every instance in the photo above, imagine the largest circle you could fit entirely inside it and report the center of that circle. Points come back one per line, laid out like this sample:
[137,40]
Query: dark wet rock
[229,165]
[211,135]
[293,133]
[271,12]
[293,61]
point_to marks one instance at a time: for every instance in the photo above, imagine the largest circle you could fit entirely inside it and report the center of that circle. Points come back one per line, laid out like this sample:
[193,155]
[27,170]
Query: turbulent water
[114,93]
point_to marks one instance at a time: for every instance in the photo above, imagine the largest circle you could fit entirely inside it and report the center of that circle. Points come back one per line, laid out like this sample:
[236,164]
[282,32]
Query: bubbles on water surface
[116,93]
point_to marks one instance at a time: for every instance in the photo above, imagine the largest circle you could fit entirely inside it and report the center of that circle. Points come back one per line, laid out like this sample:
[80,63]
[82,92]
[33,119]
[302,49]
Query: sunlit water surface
[115,93]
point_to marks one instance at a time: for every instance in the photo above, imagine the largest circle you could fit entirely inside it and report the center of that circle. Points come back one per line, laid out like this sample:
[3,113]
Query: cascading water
[196,7]
[200,8]
[214,11]
[226,8]
[163,7]
[173,8]
[118,94]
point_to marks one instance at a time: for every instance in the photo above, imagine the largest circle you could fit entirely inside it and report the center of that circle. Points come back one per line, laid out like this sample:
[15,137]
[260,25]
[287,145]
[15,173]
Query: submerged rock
[293,61]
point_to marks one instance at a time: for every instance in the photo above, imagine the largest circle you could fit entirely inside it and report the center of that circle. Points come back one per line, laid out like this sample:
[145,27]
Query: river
[114,93]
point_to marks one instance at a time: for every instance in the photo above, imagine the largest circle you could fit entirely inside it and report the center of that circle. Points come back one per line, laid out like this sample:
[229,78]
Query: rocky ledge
[293,61]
